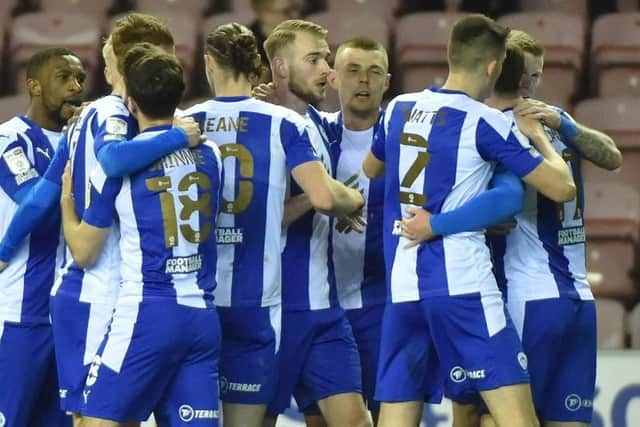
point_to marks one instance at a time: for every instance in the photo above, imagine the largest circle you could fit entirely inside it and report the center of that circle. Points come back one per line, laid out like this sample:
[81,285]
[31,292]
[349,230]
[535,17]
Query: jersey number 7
[419,164]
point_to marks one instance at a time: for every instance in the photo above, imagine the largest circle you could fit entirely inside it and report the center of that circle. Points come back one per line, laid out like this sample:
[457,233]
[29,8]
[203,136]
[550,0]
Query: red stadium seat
[615,53]
[423,60]
[344,27]
[13,105]
[35,31]
[609,262]
[190,7]
[563,39]
[612,211]
[570,7]
[611,324]
[618,117]
[97,8]
[634,327]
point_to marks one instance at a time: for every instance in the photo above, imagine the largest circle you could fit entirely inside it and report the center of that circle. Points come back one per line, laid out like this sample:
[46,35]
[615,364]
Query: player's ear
[387,81]
[280,68]
[34,86]
[333,79]
[132,106]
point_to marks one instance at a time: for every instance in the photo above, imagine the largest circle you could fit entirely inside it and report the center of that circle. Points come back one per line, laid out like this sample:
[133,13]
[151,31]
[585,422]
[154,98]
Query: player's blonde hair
[285,33]
[364,43]
[525,42]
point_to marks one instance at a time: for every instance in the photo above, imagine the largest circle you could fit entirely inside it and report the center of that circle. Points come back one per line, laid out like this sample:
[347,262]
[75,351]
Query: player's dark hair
[41,58]
[153,79]
[512,68]
[235,48]
[474,41]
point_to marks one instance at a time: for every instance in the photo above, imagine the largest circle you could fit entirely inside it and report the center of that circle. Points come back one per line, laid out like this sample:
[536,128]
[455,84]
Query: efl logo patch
[17,161]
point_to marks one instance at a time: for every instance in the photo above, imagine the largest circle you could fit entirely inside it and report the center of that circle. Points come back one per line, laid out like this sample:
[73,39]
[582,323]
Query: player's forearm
[597,147]
[345,200]
[80,248]
[558,171]
[296,207]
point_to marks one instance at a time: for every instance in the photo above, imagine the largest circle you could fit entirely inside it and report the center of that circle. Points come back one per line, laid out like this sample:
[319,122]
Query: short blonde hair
[285,33]
[525,42]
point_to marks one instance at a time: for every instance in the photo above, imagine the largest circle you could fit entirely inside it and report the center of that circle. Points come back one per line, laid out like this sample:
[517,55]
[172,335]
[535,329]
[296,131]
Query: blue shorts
[29,386]
[158,357]
[366,324]
[469,337]
[318,358]
[560,340]
[248,360]
[78,330]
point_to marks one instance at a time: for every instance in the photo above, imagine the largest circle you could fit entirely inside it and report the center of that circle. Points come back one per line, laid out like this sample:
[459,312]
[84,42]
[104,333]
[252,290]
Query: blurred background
[592,69]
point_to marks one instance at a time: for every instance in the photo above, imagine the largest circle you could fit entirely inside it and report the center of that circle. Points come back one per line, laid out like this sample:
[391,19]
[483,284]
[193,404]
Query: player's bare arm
[595,146]
[372,166]
[84,241]
[295,207]
[552,177]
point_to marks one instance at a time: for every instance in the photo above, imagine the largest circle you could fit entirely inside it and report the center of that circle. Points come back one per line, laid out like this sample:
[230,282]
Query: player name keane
[571,236]
[185,264]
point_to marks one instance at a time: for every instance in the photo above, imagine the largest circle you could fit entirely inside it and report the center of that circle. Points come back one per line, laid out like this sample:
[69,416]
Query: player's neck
[119,89]
[464,82]
[357,122]
[145,122]
[502,102]
[288,99]
[226,86]
[38,115]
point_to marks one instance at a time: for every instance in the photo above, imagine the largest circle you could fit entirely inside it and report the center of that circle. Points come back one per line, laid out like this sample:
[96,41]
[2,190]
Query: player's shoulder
[110,105]
[200,107]
[500,121]
[11,131]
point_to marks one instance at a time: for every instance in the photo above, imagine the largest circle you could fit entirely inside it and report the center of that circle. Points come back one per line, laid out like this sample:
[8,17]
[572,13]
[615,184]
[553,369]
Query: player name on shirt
[179,158]
[226,124]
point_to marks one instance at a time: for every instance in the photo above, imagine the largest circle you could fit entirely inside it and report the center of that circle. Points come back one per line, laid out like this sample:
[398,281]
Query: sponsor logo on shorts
[3,420]
[573,402]
[226,386]
[92,376]
[522,360]
[187,413]
[459,374]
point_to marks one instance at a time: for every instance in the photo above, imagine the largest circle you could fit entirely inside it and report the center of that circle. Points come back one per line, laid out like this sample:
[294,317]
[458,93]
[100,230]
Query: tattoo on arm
[597,147]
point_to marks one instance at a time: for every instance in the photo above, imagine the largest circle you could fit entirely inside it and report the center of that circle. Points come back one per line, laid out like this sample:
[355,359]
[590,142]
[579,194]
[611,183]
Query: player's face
[308,68]
[361,79]
[62,85]
[532,75]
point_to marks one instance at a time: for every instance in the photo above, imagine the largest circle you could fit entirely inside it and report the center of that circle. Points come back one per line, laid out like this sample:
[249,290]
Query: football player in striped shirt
[162,349]
[261,145]
[29,392]
[438,149]
[318,353]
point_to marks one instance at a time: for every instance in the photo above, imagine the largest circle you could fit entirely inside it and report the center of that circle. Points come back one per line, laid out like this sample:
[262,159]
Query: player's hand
[66,193]
[417,227]
[191,128]
[354,222]
[3,265]
[502,229]
[538,110]
[529,126]
[266,92]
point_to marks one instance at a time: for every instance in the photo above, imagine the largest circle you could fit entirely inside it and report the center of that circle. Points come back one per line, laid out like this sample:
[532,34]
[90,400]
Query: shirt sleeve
[378,144]
[515,152]
[102,202]
[114,128]
[55,169]
[16,169]
[296,144]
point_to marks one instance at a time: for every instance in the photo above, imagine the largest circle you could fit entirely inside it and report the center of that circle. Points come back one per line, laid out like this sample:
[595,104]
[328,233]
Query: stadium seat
[344,27]
[13,105]
[380,8]
[423,60]
[618,117]
[190,7]
[97,8]
[615,53]
[634,327]
[609,262]
[578,8]
[611,324]
[612,211]
[214,21]
[35,31]
[563,39]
